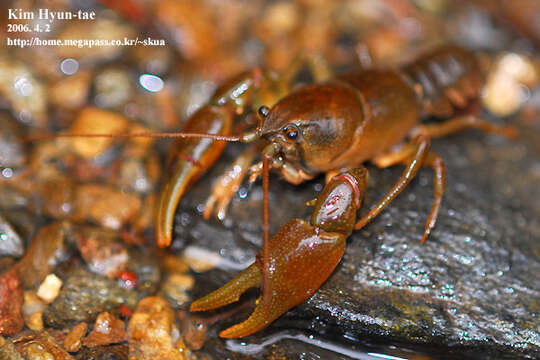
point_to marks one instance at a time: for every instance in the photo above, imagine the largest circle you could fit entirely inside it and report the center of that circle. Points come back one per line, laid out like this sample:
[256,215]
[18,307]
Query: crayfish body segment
[302,255]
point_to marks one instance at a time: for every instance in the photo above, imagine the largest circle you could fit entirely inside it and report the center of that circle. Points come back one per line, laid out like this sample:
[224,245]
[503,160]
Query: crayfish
[331,127]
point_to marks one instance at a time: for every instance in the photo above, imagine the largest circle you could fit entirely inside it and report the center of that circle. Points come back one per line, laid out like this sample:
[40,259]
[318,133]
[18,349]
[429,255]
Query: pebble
[32,310]
[101,250]
[105,205]
[73,340]
[34,321]
[46,250]
[107,330]
[8,350]
[34,345]
[176,288]
[49,288]
[71,92]
[26,95]
[10,241]
[93,120]
[84,296]
[11,300]
[152,333]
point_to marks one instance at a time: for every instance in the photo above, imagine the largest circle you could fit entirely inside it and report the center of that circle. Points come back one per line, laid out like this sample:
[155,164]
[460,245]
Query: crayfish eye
[263,111]
[291,132]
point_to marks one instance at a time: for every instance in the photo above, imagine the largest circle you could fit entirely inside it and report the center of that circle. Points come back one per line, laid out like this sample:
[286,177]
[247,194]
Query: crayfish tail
[230,292]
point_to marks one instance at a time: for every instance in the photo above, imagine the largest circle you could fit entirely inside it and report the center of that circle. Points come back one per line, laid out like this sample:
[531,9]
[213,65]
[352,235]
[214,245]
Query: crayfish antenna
[136,135]
[230,292]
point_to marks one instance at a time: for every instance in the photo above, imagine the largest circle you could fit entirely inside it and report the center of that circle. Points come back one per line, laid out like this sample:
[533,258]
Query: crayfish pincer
[301,256]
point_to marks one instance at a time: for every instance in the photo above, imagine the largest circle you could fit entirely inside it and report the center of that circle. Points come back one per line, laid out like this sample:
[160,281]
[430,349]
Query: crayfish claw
[231,291]
[301,258]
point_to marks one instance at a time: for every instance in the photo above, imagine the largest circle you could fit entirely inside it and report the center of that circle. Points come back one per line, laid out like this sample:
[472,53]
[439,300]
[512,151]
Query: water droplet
[151,83]
[7,173]
[69,66]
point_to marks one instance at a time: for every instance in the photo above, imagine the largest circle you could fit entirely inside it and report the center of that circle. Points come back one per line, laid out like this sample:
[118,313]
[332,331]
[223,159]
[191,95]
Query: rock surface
[84,296]
[472,288]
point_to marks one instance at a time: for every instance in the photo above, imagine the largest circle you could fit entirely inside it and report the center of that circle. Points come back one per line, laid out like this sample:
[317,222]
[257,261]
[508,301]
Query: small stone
[26,95]
[94,120]
[11,300]
[73,341]
[152,333]
[174,264]
[107,330]
[176,288]
[35,321]
[46,250]
[10,241]
[105,205]
[101,250]
[35,345]
[8,350]
[71,92]
[49,288]
[112,88]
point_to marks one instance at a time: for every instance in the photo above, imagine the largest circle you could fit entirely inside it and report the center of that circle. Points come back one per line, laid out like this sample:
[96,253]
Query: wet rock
[103,28]
[84,296]
[11,300]
[105,205]
[45,252]
[32,310]
[107,330]
[73,340]
[8,350]
[58,196]
[135,175]
[12,151]
[112,352]
[26,94]
[175,288]
[145,265]
[10,242]
[71,92]
[509,84]
[35,345]
[113,88]
[152,333]
[92,120]
[102,251]
[471,287]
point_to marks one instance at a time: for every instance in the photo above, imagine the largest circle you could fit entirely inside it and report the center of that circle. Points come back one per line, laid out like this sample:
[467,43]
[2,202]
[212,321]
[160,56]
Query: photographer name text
[49,15]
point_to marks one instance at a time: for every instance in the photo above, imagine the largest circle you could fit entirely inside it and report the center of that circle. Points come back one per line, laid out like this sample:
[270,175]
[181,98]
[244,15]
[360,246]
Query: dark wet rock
[10,242]
[8,350]
[11,301]
[83,296]
[40,345]
[145,265]
[47,249]
[112,352]
[472,287]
